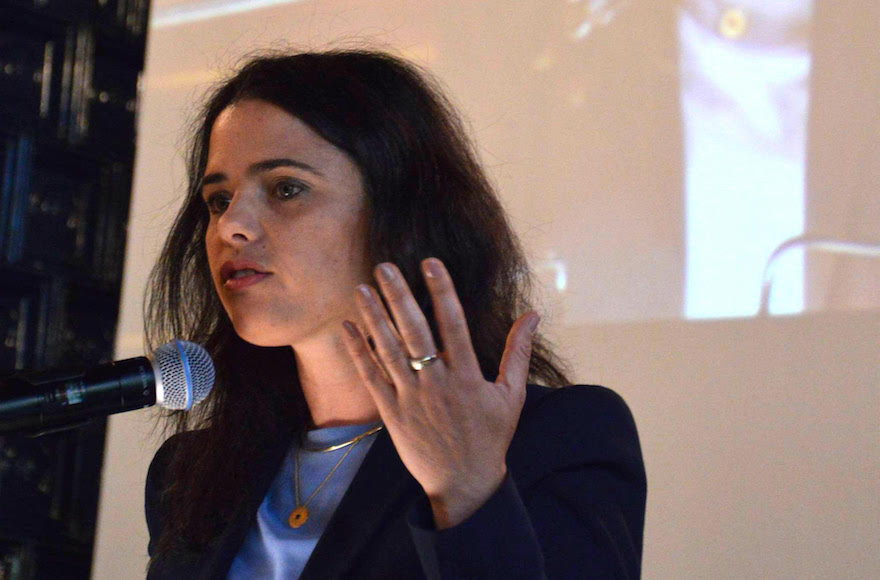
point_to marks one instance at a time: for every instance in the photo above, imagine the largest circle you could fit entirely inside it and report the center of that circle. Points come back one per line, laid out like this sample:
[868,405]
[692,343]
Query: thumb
[514,370]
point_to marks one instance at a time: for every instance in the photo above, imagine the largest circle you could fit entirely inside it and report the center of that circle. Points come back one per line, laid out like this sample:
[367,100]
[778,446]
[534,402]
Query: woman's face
[286,238]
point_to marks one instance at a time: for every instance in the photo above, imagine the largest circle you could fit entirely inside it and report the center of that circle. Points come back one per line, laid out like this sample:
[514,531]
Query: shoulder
[575,407]
[163,456]
[577,464]
[156,483]
[562,428]
[594,395]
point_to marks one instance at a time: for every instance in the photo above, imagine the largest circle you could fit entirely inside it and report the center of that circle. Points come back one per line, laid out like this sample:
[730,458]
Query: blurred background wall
[655,157]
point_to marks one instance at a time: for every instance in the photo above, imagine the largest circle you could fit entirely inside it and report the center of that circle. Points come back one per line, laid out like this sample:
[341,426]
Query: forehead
[253,130]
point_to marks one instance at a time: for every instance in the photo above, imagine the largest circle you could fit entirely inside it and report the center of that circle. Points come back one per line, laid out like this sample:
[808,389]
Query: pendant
[298,517]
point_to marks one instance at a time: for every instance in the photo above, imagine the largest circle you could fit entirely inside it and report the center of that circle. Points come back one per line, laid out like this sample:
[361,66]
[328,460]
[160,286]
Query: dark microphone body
[177,376]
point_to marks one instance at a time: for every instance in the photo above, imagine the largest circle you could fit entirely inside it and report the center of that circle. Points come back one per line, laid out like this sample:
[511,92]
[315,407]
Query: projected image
[729,156]
[744,96]
[662,159]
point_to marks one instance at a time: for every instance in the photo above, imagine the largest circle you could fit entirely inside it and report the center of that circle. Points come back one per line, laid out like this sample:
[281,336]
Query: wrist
[455,505]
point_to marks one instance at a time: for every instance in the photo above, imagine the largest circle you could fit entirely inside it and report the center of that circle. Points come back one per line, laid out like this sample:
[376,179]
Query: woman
[349,439]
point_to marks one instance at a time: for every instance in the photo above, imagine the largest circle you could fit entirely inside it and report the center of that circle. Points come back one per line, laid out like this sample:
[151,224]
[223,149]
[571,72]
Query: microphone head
[184,374]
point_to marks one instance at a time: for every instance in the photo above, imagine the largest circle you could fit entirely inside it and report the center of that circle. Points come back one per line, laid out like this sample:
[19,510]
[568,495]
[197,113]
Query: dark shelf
[69,72]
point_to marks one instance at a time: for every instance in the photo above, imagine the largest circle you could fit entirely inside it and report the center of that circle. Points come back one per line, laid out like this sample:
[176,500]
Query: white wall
[760,436]
[761,441]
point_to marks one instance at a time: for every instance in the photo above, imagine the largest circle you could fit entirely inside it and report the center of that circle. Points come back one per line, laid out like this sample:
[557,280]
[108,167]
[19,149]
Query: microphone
[178,375]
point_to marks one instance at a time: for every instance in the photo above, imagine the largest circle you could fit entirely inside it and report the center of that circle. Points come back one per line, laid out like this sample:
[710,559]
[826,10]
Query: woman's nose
[240,222]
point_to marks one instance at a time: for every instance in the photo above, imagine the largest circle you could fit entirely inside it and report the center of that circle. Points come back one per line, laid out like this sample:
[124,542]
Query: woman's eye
[217,203]
[288,189]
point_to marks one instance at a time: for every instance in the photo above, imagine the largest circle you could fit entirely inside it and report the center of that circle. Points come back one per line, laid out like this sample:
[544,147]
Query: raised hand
[450,426]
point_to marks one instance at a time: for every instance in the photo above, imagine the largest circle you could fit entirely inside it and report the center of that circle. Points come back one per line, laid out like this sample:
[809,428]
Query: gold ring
[418,364]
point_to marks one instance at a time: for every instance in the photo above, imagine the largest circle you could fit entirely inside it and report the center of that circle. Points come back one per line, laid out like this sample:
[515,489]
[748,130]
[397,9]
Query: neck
[333,389]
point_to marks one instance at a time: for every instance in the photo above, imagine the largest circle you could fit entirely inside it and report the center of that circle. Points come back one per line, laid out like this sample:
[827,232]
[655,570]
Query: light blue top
[272,548]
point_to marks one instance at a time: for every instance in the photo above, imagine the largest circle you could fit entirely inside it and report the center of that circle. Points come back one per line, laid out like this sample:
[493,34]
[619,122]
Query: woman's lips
[238,274]
[238,283]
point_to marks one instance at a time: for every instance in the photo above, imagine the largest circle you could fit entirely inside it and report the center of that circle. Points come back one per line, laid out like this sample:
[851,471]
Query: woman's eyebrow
[261,166]
[270,164]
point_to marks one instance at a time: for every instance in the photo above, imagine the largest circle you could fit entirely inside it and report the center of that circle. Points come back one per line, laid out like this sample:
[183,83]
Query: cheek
[212,253]
[353,246]
[350,260]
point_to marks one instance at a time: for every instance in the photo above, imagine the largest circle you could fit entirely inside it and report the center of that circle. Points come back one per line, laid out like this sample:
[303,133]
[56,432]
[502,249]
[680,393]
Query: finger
[389,345]
[514,370]
[382,391]
[408,317]
[375,357]
[451,322]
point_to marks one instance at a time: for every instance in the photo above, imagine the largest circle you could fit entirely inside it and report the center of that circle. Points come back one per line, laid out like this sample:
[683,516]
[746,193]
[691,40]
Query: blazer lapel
[378,492]
[381,490]
[220,558]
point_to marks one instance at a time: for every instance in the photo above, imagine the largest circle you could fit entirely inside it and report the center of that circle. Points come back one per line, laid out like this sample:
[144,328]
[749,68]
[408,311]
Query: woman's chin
[260,335]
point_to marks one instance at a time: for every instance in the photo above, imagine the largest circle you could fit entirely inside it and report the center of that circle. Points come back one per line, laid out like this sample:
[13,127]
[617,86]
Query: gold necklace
[300,514]
[341,445]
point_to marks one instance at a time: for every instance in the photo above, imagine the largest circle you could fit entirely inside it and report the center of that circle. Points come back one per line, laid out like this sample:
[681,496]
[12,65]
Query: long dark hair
[427,196]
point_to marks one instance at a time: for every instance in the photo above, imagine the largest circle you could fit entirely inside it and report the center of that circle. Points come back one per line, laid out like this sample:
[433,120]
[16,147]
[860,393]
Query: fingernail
[433,268]
[350,329]
[533,323]
[364,290]
[385,272]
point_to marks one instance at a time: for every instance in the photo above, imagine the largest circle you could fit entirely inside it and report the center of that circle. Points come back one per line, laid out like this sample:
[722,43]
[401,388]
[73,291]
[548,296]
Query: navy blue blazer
[572,506]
